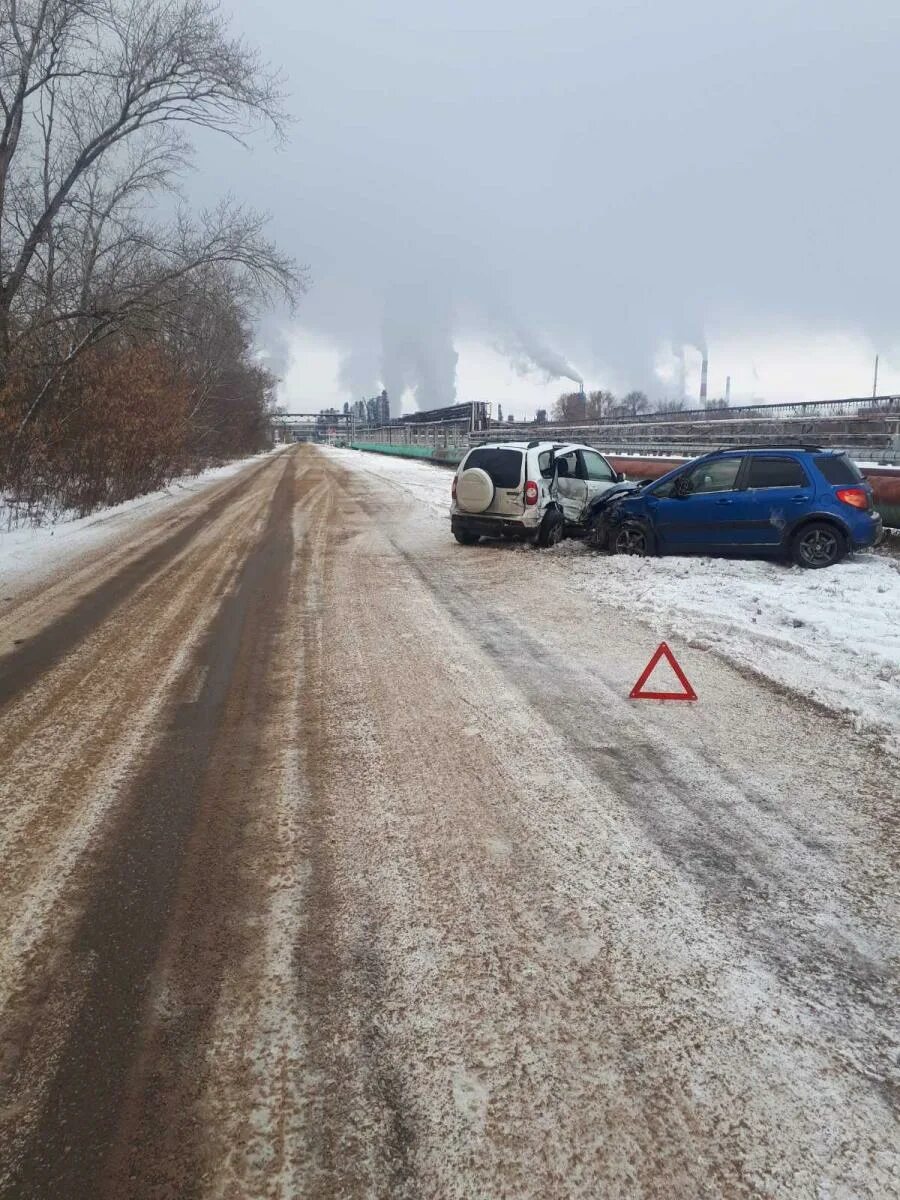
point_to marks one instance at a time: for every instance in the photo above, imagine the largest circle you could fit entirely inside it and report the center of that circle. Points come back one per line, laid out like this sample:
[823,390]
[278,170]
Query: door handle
[724,502]
[799,499]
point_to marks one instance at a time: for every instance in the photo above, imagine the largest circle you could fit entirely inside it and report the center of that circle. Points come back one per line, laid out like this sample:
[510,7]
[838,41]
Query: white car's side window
[545,464]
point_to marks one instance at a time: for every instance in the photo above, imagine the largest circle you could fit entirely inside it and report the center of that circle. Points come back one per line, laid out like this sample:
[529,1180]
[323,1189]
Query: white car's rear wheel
[551,531]
[474,490]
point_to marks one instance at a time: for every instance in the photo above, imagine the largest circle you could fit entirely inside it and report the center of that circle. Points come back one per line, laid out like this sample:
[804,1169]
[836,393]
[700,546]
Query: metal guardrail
[868,429]
[870,444]
[861,406]
[872,438]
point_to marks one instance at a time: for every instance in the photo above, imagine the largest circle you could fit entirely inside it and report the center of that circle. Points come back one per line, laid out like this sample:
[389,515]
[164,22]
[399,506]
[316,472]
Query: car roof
[534,445]
[786,448]
[499,446]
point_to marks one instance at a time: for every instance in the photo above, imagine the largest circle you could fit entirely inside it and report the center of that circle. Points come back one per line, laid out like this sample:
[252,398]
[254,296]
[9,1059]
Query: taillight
[854,496]
[453,489]
[531,492]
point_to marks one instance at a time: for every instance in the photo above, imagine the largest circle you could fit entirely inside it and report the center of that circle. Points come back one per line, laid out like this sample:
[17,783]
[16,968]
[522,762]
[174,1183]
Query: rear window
[776,472]
[503,466]
[838,468]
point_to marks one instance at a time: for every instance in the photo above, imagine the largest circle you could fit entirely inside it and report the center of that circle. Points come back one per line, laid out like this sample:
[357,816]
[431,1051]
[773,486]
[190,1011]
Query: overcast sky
[491,195]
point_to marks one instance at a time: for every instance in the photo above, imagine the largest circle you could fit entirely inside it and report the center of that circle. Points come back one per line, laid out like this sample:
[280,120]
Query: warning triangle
[638,692]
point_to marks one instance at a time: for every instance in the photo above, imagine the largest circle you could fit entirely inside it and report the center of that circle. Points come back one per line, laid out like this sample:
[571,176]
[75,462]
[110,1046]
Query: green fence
[448,455]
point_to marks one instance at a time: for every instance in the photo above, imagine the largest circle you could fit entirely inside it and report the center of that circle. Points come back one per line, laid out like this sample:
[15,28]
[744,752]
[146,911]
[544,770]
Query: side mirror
[620,476]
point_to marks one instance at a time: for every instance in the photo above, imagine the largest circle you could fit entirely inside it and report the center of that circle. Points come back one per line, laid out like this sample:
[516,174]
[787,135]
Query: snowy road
[335,863]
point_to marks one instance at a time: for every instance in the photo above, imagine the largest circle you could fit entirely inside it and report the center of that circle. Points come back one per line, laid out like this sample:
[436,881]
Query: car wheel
[465,538]
[551,531]
[630,538]
[817,545]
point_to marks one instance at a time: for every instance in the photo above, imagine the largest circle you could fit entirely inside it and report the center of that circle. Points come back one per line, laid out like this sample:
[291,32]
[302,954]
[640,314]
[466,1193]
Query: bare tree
[97,98]
[570,408]
[600,405]
[635,403]
[80,80]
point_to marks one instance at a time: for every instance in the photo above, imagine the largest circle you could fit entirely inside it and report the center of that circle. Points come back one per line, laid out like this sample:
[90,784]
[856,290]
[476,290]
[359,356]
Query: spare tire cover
[474,490]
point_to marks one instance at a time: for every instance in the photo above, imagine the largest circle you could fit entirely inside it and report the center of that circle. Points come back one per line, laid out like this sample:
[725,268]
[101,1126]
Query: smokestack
[704,371]
[727,389]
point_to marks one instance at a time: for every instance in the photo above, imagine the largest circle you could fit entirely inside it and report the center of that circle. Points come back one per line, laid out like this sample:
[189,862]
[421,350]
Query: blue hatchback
[810,504]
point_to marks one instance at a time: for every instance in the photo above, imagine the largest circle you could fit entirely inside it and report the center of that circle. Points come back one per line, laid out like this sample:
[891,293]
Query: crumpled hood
[617,492]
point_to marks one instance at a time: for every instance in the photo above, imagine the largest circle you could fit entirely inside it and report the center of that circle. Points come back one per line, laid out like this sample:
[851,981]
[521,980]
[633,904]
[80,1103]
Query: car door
[697,509]
[571,487]
[598,474]
[775,489]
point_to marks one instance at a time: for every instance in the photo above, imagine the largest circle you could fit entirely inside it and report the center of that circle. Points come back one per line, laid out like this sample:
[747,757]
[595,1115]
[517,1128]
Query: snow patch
[830,635]
[470,1096]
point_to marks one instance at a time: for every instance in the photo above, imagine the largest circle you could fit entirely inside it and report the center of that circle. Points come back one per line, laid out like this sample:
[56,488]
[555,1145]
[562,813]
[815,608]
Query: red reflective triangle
[663,651]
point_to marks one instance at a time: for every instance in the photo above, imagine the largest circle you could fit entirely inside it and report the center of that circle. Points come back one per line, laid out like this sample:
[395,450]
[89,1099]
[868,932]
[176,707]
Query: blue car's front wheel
[630,538]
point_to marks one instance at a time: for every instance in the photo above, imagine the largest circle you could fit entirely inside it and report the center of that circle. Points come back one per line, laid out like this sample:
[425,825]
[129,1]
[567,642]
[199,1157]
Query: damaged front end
[605,512]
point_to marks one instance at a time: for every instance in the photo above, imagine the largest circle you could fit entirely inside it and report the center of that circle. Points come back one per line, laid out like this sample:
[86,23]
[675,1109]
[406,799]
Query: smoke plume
[527,352]
[417,350]
[611,239]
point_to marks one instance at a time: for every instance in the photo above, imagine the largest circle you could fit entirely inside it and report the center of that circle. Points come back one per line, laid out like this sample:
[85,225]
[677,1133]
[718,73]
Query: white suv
[536,491]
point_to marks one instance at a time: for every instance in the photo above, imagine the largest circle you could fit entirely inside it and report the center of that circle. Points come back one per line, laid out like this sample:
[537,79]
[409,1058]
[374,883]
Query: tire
[465,537]
[818,544]
[629,538]
[551,531]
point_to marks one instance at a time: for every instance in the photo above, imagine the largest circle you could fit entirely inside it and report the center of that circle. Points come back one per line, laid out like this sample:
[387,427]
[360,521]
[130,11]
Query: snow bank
[429,483]
[31,550]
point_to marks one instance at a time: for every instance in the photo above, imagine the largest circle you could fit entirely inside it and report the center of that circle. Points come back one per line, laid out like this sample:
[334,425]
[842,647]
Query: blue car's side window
[716,476]
[776,473]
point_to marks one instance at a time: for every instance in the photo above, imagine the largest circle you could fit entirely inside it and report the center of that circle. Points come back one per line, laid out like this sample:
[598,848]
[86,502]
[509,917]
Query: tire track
[23,665]
[136,875]
[230,919]
[91,720]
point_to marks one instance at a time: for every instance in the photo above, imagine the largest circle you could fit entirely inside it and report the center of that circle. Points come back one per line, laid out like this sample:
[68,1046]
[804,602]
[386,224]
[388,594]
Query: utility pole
[875,382]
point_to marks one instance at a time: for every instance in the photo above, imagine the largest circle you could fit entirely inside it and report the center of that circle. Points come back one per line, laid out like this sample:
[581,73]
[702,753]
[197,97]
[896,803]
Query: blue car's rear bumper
[868,531]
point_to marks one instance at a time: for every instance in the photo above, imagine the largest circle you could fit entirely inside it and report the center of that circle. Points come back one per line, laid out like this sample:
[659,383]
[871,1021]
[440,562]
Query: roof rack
[772,446]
